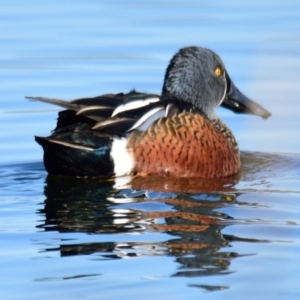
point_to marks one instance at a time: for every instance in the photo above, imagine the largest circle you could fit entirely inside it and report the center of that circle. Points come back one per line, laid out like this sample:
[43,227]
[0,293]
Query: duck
[176,134]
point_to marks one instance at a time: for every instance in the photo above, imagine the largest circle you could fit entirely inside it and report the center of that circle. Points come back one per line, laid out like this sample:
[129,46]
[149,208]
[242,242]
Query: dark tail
[61,158]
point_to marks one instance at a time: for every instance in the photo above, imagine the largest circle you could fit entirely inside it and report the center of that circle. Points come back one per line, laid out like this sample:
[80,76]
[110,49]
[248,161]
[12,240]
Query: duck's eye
[218,71]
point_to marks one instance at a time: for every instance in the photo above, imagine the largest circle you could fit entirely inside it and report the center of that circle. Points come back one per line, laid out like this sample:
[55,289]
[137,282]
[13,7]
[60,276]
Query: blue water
[67,238]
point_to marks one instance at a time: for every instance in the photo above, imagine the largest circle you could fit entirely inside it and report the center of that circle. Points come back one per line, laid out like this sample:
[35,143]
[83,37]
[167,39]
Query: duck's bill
[239,103]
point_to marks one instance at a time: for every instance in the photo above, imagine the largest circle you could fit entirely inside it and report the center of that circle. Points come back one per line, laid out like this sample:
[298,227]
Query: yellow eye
[218,71]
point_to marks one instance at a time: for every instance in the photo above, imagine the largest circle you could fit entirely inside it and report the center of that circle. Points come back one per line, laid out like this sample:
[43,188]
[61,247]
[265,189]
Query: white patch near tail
[123,160]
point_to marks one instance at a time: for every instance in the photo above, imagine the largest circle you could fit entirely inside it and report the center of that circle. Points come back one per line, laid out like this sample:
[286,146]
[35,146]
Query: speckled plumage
[179,147]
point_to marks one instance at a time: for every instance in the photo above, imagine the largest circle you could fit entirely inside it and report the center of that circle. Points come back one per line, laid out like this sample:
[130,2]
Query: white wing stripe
[107,122]
[87,108]
[147,119]
[134,105]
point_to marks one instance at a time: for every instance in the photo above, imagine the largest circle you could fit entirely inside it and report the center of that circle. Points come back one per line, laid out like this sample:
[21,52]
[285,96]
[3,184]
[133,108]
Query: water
[68,238]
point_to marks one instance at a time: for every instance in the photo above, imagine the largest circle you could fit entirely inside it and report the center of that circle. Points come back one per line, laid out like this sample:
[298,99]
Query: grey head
[198,76]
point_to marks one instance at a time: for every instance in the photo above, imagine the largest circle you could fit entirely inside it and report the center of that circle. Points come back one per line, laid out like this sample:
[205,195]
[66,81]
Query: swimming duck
[174,134]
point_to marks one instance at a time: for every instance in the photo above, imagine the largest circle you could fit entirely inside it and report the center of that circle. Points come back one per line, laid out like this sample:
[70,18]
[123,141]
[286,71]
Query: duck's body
[176,134]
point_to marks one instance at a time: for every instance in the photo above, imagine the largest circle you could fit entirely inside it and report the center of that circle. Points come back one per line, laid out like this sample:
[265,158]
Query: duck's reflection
[192,225]
[181,218]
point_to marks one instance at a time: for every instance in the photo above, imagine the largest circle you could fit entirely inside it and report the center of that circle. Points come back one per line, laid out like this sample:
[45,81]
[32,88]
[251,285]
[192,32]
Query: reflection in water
[189,185]
[92,206]
[159,216]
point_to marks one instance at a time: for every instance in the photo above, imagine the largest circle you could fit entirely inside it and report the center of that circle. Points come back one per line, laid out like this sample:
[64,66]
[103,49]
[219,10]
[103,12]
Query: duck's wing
[115,113]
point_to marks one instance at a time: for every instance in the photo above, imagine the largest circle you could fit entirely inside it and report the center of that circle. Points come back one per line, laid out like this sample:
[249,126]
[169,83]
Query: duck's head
[198,76]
